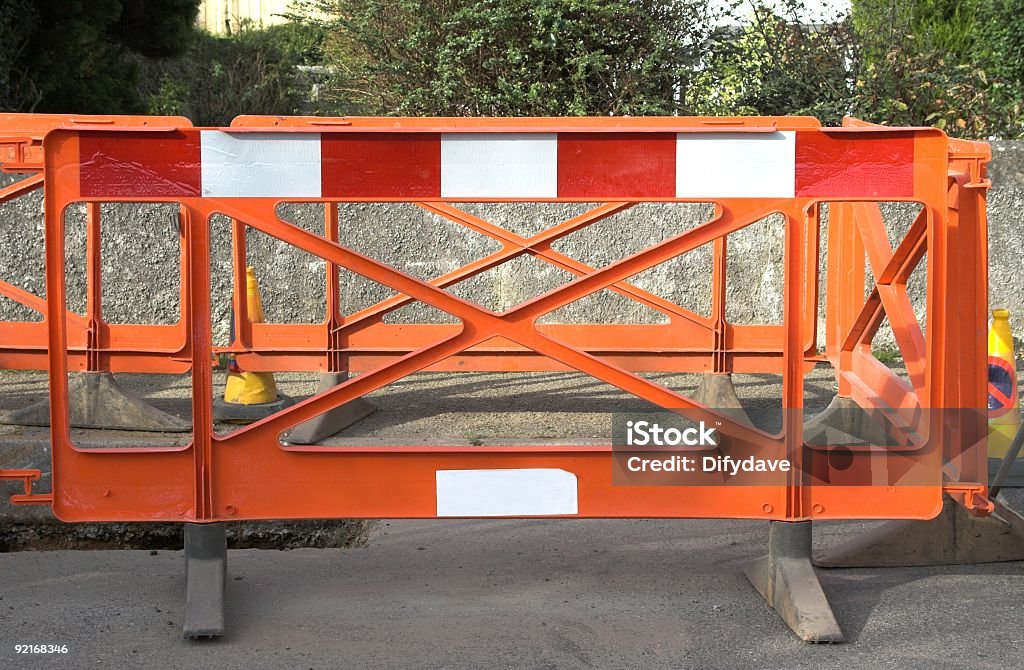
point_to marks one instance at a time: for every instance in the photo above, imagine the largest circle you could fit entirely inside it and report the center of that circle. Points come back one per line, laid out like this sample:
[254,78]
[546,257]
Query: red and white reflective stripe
[254,165]
[736,165]
[574,165]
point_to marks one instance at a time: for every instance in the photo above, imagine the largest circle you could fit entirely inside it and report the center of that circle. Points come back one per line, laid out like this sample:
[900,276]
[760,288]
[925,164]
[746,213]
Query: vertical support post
[205,544]
[969,281]
[242,334]
[793,360]
[785,577]
[844,287]
[336,341]
[206,556]
[339,418]
[718,362]
[813,287]
[93,290]
[198,234]
[715,388]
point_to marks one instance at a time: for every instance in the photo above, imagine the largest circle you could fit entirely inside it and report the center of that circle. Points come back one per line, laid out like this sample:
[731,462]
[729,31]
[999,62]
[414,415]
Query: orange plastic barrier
[749,168]
[93,344]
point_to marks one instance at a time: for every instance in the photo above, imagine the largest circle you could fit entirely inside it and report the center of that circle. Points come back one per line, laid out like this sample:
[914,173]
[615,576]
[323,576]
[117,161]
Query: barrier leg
[97,401]
[952,538]
[786,579]
[206,557]
[844,422]
[717,392]
[331,421]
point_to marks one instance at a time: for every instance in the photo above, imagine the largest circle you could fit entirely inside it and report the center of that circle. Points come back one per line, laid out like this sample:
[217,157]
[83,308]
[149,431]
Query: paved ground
[505,594]
[497,594]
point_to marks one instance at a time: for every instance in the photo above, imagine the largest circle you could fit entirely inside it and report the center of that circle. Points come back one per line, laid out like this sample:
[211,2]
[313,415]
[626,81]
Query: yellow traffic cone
[1003,406]
[249,396]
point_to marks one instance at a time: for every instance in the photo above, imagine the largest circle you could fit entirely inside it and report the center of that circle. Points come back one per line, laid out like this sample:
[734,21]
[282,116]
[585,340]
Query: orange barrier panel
[748,167]
[93,344]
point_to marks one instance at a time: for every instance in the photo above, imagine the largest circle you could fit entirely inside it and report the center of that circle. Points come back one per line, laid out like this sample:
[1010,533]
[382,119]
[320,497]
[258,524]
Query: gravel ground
[449,408]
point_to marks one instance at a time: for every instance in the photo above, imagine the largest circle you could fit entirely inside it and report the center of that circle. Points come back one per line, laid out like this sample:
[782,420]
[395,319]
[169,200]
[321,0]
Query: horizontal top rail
[21,135]
[504,160]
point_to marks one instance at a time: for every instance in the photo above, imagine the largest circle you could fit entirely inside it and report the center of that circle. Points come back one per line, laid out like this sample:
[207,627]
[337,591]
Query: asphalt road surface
[505,594]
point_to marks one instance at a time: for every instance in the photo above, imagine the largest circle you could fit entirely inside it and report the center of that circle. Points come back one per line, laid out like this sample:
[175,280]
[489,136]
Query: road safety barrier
[749,168]
[95,346]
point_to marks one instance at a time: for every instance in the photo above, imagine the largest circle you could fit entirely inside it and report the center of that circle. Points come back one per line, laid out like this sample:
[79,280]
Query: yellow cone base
[249,397]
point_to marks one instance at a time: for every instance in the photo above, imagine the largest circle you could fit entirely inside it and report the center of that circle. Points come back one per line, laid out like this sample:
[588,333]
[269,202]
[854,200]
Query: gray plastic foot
[787,581]
[206,559]
[846,423]
[952,538]
[97,401]
[717,392]
[332,421]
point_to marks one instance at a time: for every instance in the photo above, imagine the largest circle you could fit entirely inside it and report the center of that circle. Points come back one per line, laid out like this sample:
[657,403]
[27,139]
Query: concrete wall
[223,16]
[140,258]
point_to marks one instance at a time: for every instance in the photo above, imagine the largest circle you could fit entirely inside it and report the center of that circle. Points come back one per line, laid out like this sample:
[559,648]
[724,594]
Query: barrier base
[716,391]
[230,412]
[332,421]
[844,422]
[787,581]
[1010,508]
[95,400]
[952,538]
[206,559]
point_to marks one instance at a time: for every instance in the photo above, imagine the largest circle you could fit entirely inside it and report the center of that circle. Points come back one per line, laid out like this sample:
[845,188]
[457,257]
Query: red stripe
[854,165]
[616,165]
[377,165]
[999,396]
[155,164]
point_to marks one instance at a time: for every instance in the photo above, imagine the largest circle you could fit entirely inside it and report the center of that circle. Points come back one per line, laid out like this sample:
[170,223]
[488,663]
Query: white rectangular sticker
[260,165]
[736,165]
[525,492]
[502,165]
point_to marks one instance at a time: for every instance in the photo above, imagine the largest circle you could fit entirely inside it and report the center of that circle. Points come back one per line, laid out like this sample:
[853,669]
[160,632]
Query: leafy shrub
[251,72]
[509,57]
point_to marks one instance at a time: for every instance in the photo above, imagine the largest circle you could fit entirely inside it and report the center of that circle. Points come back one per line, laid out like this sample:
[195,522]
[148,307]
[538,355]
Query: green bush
[954,64]
[251,72]
[509,57]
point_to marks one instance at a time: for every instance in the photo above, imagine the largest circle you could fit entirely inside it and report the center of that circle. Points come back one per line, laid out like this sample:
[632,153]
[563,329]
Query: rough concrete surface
[533,594]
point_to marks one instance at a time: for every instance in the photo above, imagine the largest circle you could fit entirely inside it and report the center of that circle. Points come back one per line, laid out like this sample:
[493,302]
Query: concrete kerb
[954,537]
